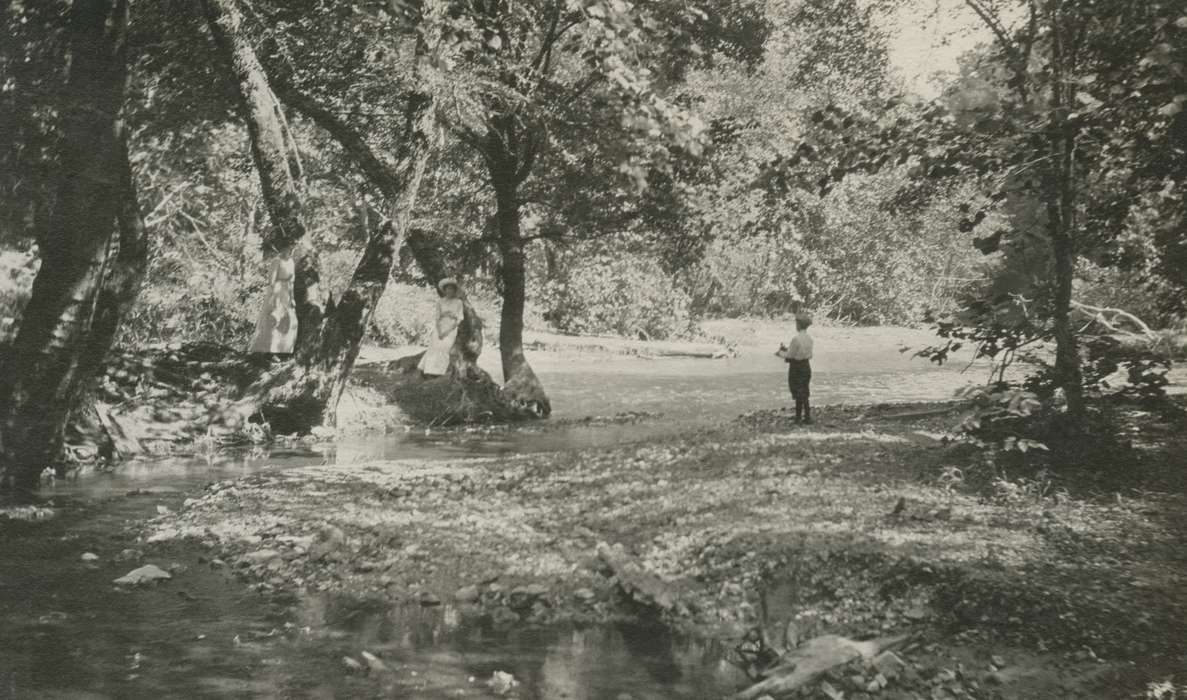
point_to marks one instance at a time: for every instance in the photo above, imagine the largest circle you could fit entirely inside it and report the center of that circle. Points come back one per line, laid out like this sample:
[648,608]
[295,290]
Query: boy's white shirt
[800,347]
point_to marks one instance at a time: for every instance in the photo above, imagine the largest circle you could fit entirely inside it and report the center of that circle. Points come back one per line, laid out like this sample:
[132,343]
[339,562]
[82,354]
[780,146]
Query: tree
[544,70]
[1060,135]
[89,272]
[308,393]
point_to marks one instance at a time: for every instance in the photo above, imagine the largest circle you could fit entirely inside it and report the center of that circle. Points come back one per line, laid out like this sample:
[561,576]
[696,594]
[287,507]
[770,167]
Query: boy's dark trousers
[799,379]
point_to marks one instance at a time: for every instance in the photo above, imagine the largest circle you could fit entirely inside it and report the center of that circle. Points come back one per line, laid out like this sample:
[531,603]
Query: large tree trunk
[519,381]
[71,317]
[275,156]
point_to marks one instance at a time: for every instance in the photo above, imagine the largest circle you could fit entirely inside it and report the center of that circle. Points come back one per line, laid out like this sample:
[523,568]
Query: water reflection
[446,652]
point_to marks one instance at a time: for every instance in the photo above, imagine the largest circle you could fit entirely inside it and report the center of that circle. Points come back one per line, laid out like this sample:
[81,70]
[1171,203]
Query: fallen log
[637,583]
[811,660]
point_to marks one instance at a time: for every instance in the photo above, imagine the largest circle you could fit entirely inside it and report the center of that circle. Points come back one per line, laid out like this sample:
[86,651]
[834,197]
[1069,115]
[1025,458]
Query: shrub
[17,270]
[630,297]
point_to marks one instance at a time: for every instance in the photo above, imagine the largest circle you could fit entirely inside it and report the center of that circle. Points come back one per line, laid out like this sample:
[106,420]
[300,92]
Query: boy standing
[799,368]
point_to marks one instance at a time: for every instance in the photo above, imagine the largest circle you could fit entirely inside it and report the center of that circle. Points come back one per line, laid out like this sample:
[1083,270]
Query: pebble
[89,556]
[429,600]
[467,594]
[261,556]
[149,573]
[889,664]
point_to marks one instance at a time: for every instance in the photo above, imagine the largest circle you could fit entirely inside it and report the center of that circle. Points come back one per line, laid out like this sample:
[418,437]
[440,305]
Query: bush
[630,297]
[17,270]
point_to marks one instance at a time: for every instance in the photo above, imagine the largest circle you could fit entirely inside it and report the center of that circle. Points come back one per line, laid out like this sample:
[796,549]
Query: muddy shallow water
[65,632]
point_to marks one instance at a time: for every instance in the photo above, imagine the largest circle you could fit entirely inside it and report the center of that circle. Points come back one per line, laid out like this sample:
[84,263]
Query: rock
[261,556]
[428,600]
[585,595]
[321,432]
[829,691]
[946,675]
[502,683]
[525,596]
[878,683]
[889,664]
[149,573]
[352,664]
[994,678]
[163,510]
[917,613]
[467,594]
[127,555]
[374,662]
[89,557]
[858,681]
[998,660]
[52,618]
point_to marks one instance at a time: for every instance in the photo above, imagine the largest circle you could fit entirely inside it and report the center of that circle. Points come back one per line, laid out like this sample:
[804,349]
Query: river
[65,632]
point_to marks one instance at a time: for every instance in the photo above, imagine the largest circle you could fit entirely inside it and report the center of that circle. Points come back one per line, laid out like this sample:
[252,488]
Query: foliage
[601,295]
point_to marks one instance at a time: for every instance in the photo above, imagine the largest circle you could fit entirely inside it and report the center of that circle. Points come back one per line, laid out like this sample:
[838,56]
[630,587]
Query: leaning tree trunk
[390,182]
[306,394]
[53,354]
[343,331]
[519,381]
[275,156]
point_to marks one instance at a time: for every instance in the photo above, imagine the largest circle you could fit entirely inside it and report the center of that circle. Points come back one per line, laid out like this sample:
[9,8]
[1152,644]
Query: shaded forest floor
[863,524]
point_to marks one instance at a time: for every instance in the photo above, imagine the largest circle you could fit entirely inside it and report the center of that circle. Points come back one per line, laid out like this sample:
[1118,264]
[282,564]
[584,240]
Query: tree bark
[519,380]
[276,160]
[1061,204]
[1063,249]
[71,316]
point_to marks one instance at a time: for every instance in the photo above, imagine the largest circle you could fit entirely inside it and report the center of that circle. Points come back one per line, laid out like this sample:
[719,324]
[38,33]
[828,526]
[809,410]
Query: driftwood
[635,581]
[626,346]
[815,657]
[1114,320]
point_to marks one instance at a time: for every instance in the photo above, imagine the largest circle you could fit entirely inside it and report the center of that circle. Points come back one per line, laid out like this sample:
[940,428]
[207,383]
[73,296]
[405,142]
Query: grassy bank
[859,525]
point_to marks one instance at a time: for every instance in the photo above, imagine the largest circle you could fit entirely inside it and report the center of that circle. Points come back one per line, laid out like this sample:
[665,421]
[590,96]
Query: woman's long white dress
[436,358]
[276,328]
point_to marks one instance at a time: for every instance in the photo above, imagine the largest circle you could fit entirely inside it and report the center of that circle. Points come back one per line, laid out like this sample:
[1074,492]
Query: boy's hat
[445,283]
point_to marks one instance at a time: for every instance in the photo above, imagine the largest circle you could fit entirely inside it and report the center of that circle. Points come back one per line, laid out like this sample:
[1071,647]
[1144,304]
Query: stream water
[65,632]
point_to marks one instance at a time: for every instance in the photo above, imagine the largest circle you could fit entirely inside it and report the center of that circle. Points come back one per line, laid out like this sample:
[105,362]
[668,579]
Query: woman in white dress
[450,311]
[276,328]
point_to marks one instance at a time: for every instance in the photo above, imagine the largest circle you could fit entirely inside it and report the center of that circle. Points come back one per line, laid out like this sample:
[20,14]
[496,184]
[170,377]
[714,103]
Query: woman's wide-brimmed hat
[445,283]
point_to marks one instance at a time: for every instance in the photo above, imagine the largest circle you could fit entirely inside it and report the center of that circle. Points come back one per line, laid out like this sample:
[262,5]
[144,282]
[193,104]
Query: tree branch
[381,174]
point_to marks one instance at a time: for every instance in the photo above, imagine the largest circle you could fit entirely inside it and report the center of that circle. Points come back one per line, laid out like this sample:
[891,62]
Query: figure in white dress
[276,328]
[450,311]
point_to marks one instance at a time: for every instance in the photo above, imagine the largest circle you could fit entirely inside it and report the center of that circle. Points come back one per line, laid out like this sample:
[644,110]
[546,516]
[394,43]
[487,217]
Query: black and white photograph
[593,349]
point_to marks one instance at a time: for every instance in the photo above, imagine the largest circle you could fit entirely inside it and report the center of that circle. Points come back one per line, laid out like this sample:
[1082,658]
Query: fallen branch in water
[812,660]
